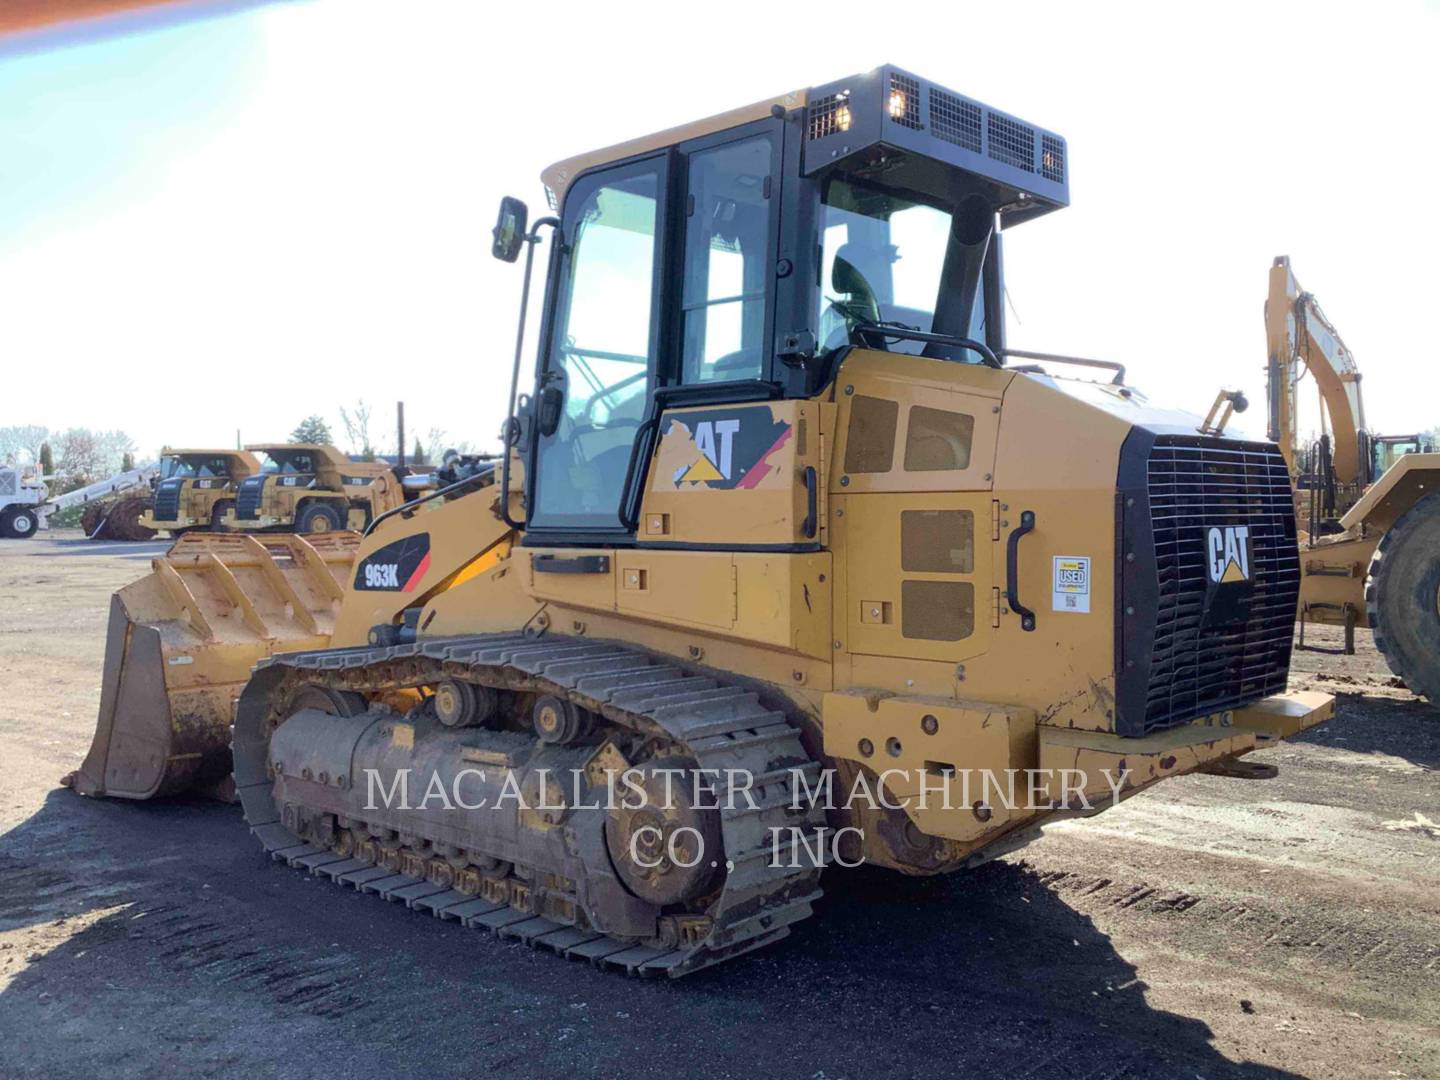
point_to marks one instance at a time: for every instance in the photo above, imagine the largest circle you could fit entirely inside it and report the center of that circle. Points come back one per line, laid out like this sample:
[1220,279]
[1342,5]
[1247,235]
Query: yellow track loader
[784,566]
[1369,504]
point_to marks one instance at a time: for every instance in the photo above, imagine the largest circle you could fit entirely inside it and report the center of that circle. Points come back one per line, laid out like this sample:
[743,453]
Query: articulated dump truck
[776,516]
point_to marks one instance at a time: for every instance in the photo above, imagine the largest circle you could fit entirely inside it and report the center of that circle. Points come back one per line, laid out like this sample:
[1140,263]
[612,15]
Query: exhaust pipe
[971,226]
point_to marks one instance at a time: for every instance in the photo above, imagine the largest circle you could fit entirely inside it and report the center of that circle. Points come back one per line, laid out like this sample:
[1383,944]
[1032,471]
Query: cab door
[595,386]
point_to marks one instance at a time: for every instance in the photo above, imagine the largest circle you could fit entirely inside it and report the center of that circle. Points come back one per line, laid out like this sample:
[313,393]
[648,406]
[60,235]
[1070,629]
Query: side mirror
[510,229]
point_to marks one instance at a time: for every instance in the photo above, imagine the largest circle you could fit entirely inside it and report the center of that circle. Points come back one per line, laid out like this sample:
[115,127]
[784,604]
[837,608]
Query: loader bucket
[180,646]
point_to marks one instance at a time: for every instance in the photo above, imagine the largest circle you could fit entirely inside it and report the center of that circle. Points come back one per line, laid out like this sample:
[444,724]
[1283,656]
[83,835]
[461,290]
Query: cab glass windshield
[287,462]
[192,465]
[883,261]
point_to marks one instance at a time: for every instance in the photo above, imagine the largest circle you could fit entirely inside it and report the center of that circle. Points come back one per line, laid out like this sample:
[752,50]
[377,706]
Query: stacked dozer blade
[180,646]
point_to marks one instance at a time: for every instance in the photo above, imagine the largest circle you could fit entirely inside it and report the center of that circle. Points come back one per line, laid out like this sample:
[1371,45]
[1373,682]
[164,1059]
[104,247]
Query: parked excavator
[1369,504]
[776,509]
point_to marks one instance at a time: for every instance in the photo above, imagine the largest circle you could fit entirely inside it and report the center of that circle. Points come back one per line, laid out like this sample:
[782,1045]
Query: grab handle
[1012,570]
[811,524]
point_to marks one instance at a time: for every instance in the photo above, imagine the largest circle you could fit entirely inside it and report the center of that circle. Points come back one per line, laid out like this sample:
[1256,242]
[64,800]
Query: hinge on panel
[994,519]
[734,593]
[995,606]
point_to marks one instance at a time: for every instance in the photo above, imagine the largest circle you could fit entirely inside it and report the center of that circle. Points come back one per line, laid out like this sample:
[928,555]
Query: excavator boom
[1302,339]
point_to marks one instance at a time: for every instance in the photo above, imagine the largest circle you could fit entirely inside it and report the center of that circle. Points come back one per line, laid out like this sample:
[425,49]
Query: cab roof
[558,176]
[242,455]
[934,131]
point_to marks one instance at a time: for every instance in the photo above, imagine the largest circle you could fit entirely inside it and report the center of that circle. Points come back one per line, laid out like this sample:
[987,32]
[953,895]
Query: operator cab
[1385,450]
[186,466]
[287,462]
[738,259]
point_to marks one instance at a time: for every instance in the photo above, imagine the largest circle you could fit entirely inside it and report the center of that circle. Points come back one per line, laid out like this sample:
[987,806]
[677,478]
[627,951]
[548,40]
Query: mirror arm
[512,423]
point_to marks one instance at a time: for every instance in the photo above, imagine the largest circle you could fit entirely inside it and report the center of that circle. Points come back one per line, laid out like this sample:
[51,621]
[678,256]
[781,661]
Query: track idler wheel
[665,848]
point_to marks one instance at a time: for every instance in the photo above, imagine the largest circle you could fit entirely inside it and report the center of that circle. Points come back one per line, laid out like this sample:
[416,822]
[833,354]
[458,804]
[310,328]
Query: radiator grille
[167,500]
[247,499]
[1198,669]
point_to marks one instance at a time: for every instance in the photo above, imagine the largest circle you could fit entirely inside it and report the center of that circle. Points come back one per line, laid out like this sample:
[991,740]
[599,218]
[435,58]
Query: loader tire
[317,517]
[1402,597]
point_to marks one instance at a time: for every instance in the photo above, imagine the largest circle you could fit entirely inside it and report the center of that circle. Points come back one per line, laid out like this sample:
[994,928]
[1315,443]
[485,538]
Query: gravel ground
[1211,927]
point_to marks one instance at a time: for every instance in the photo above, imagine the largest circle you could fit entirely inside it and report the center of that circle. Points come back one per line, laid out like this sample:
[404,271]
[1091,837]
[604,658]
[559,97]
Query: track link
[722,726]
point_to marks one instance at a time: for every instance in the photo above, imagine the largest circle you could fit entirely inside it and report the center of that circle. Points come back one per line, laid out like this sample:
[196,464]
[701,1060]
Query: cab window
[883,260]
[602,352]
[727,260]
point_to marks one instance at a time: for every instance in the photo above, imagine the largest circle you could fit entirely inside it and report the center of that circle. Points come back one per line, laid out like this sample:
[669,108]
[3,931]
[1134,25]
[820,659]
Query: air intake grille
[1198,669]
[1011,142]
[829,115]
[247,499]
[955,120]
[167,501]
[904,101]
[1052,159]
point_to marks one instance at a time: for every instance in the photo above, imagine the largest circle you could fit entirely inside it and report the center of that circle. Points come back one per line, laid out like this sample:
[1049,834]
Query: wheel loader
[1369,504]
[784,566]
[310,488]
[196,489]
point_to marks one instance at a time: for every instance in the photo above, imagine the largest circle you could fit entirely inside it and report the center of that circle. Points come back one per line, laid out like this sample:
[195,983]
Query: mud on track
[1212,927]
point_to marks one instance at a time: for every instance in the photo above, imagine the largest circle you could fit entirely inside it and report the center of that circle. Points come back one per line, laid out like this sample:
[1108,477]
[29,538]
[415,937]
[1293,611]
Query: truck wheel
[317,517]
[217,515]
[19,523]
[1402,597]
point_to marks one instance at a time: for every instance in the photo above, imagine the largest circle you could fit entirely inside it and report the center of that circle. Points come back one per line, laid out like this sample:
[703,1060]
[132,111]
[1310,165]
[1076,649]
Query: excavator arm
[1301,338]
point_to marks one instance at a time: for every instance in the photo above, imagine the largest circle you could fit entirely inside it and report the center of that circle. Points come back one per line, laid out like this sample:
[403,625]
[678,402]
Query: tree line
[74,457]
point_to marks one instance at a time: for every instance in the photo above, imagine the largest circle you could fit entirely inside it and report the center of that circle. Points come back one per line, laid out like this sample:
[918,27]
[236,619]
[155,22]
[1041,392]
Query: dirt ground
[1211,927]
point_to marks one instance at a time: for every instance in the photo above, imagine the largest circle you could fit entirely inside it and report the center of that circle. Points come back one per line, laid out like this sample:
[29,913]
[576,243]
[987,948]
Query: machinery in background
[26,503]
[196,488]
[776,509]
[1369,505]
[309,488]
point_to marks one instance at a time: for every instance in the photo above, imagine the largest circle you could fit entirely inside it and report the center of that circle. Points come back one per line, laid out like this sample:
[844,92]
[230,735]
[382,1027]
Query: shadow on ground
[1408,729]
[215,959]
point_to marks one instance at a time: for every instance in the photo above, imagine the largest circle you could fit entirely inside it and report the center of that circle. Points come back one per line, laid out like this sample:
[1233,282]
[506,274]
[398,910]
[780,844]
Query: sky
[221,224]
